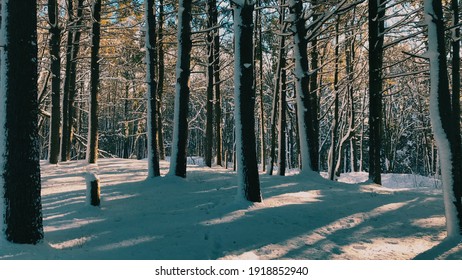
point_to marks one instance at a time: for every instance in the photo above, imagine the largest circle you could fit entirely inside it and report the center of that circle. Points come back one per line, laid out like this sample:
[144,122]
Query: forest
[252,91]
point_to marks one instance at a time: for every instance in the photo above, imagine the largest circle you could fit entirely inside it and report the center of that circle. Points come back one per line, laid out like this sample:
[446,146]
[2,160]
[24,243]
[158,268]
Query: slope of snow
[199,217]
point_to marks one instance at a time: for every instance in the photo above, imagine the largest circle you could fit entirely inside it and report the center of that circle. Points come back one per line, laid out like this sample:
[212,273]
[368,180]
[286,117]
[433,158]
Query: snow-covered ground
[199,217]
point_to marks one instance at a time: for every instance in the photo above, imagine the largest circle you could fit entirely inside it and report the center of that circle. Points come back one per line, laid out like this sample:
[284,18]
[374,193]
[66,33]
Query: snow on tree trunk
[244,102]
[153,155]
[440,114]
[180,122]
[301,83]
[92,145]
[20,167]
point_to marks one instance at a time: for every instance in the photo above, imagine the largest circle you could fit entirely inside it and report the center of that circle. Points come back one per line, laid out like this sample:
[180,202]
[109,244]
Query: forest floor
[200,218]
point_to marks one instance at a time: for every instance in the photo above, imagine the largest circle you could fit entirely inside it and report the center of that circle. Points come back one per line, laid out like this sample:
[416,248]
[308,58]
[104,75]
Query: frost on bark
[151,60]
[441,117]
[244,99]
[180,125]
[19,124]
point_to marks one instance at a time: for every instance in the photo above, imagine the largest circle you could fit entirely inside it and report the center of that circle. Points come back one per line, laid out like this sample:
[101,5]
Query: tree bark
[180,129]
[55,58]
[305,116]
[19,131]
[244,98]
[161,77]
[151,60]
[92,145]
[442,119]
[70,77]
[376,29]
[210,87]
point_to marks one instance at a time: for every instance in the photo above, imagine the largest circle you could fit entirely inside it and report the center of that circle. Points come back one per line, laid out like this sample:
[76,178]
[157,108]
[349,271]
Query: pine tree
[151,60]
[54,44]
[441,117]
[92,145]
[180,129]
[376,30]
[19,124]
[244,102]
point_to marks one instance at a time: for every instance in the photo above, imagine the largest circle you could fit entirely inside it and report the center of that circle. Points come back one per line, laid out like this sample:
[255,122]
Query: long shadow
[196,218]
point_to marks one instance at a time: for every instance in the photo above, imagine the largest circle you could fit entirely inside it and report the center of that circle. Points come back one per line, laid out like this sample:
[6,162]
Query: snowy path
[198,217]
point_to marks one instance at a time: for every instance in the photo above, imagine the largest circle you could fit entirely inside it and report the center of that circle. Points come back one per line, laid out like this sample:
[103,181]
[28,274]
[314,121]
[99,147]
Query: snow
[437,126]
[197,218]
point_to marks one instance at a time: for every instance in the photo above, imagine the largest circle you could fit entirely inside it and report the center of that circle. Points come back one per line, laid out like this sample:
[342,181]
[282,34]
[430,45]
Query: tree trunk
[55,58]
[244,98]
[335,119]
[180,126]
[70,77]
[376,29]
[217,82]
[305,116]
[210,87]
[277,88]
[441,117]
[160,85]
[282,123]
[92,145]
[19,132]
[313,97]
[151,60]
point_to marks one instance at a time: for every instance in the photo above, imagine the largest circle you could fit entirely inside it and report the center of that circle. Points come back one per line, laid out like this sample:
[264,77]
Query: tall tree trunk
[55,58]
[22,208]
[151,60]
[305,116]
[180,126]
[259,57]
[73,78]
[210,87]
[244,98]
[313,97]
[441,117]
[92,146]
[282,122]
[161,77]
[335,119]
[456,143]
[65,144]
[217,82]
[277,87]
[376,29]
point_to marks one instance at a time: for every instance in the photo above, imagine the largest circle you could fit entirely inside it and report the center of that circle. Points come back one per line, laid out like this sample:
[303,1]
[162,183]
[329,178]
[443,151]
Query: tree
[302,84]
[376,33]
[151,60]
[161,77]
[180,129]
[92,145]
[441,117]
[210,79]
[244,99]
[54,44]
[18,130]
[69,90]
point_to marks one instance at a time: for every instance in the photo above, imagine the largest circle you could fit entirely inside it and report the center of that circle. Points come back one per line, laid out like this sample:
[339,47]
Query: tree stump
[93,190]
